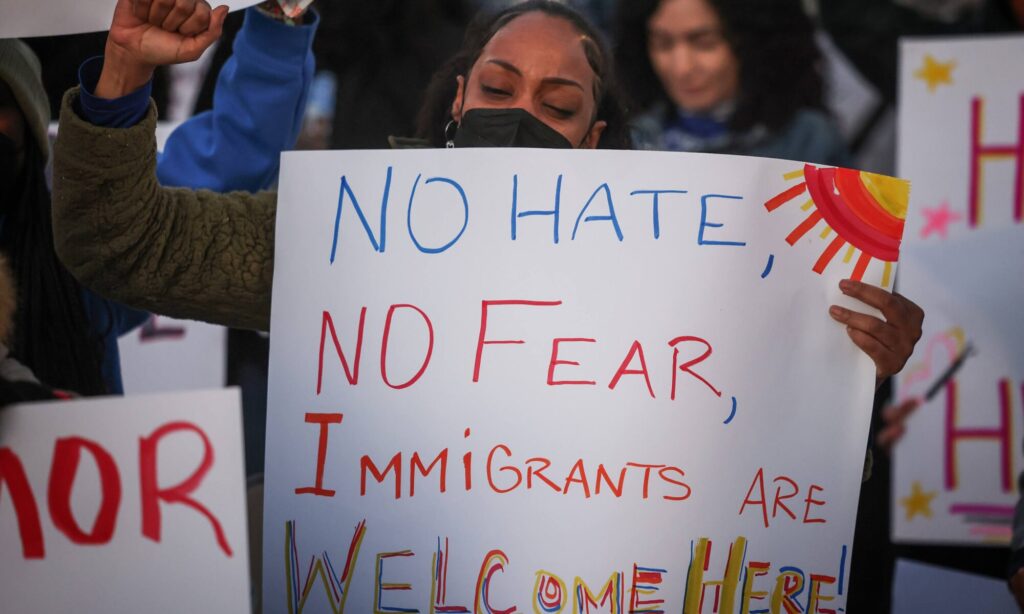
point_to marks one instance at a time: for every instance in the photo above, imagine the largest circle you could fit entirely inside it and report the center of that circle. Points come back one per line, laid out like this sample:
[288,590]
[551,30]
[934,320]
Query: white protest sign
[133,504]
[962,146]
[28,18]
[165,355]
[566,380]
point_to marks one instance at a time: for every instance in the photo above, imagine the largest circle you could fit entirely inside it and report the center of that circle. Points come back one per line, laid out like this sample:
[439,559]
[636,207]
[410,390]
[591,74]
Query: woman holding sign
[535,74]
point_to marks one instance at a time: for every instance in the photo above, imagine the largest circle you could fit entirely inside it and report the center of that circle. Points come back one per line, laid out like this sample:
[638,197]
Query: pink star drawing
[938,220]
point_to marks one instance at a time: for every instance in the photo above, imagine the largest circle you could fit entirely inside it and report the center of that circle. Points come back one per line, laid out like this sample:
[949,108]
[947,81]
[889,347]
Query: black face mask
[506,128]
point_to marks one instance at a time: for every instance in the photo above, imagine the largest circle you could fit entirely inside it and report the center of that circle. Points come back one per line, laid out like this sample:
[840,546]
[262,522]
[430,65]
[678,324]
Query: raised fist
[149,33]
[158,32]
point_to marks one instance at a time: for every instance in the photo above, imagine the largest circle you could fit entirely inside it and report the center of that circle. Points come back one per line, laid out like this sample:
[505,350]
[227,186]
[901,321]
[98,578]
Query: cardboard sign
[132,504]
[962,145]
[564,381]
[28,18]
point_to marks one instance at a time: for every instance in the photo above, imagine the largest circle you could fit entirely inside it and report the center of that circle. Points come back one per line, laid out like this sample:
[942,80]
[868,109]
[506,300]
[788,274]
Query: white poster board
[133,504]
[28,18]
[582,410]
[962,147]
[165,355]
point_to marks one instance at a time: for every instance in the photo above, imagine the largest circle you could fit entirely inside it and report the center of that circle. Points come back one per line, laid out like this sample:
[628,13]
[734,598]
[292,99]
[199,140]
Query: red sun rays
[848,201]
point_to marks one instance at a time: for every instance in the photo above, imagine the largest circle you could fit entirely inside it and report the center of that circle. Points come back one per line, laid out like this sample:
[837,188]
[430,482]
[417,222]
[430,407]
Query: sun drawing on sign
[865,211]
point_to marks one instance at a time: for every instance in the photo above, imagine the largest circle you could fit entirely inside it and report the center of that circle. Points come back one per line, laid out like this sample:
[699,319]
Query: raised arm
[184,253]
[188,254]
[258,105]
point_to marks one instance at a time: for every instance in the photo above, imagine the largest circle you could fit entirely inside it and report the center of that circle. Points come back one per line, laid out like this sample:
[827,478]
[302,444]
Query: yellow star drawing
[934,72]
[919,502]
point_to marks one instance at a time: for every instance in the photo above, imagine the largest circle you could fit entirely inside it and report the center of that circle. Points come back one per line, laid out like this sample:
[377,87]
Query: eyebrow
[554,80]
[688,35]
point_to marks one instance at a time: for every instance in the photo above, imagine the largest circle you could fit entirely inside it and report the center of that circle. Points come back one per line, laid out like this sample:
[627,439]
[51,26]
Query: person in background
[50,333]
[65,334]
[17,382]
[726,76]
[258,105]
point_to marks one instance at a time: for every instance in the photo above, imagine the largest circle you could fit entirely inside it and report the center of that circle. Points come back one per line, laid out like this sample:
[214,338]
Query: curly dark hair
[436,110]
[781,66]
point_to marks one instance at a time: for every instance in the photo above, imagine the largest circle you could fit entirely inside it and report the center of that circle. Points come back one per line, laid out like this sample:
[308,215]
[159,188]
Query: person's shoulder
[812,122]
[812,135]
[646,128]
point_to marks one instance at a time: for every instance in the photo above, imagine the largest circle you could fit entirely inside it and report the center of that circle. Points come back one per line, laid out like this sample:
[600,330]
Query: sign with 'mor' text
[132,504]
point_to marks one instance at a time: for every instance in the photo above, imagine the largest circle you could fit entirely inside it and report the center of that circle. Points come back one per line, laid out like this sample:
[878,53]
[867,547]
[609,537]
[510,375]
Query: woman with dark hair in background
[726,76]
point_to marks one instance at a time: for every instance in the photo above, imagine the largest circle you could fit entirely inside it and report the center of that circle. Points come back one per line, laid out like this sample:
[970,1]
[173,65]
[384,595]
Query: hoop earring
[449,141]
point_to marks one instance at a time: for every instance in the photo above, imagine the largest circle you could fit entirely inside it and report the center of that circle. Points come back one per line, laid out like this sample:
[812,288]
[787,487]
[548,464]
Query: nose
[528,100]
[683,62]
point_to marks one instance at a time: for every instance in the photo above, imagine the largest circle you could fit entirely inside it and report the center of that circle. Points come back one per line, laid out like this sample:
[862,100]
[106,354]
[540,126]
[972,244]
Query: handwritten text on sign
[566,381]
[132,503]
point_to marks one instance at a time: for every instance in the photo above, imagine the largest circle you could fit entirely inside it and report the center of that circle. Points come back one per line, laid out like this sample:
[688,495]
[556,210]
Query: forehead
[541,46]
[684,16]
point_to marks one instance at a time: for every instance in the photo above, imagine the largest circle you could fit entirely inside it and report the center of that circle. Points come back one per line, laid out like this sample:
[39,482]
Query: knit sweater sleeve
[184,253]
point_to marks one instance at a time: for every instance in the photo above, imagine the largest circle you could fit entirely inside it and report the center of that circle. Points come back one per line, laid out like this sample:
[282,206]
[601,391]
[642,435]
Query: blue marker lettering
[654,205]
[596,218]
[704,223]
[346,189]
[516,214]
[465,210]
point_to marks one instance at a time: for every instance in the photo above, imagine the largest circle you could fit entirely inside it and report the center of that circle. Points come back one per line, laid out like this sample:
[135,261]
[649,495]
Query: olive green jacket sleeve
[191,254]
